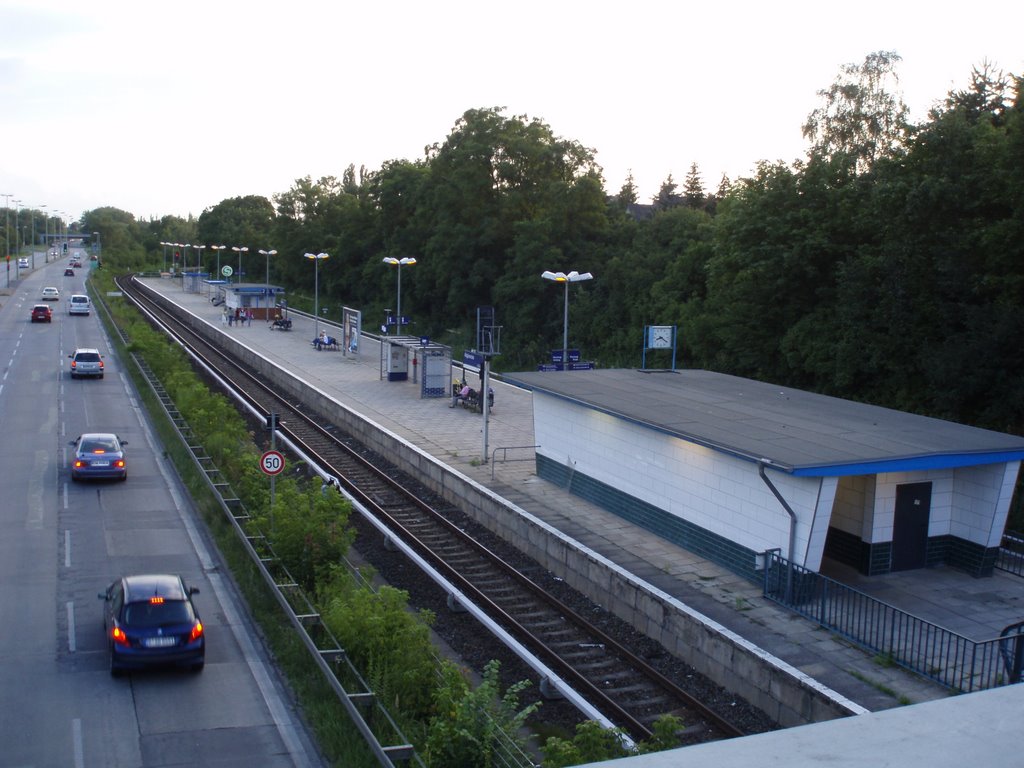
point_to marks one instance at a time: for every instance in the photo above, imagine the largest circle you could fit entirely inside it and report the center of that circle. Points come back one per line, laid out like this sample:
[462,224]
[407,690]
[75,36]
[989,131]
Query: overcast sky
[169,108]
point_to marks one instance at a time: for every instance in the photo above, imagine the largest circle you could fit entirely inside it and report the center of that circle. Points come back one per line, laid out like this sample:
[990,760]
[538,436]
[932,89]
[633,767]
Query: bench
[281,324]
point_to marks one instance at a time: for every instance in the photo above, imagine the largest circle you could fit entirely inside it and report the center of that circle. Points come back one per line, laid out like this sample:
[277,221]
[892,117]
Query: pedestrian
[224,315]
[238,314]
[231,317]
[248,318]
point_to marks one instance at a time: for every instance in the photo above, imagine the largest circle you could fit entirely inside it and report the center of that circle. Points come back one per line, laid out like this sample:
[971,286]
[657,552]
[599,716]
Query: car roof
[86,349]
[47,307]
[145,586]
[79,296]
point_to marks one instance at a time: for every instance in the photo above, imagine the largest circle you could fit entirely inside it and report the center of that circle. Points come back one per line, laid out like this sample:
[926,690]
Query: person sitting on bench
[465,394]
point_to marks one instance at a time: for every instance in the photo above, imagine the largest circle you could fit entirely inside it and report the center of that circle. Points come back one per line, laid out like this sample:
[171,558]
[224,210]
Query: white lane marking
[76,742]
[72,645]
[67,547]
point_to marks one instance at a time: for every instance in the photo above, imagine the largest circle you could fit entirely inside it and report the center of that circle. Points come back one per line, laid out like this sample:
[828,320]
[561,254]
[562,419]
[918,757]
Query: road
[61,543]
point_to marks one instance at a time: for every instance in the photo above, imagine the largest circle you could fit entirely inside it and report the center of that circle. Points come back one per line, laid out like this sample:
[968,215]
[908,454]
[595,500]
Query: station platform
[502,459]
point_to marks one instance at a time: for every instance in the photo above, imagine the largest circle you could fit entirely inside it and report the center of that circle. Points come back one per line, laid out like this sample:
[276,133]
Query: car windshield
[87,357]
[98,445]
[156,614]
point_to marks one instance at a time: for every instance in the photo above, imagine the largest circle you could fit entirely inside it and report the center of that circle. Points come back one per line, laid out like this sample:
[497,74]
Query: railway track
[623,686]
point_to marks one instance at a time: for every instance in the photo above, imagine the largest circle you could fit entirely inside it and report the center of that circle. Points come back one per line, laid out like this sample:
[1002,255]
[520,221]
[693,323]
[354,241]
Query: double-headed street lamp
[562,277]
[240,251]
[406,261]
[199,257]
[268,254]
[218,249]
[316,257]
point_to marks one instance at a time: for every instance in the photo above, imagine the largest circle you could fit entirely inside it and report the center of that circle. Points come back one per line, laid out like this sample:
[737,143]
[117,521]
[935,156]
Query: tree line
[885,266]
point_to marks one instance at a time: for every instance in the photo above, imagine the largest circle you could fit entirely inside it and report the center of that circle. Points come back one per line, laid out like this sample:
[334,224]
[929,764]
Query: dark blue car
[150,620]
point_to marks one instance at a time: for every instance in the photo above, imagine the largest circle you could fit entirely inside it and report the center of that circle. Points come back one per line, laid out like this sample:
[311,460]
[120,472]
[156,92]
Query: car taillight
[118,636]
[101,365]
[79,464]
[197,632]
[119,463]
[73,363]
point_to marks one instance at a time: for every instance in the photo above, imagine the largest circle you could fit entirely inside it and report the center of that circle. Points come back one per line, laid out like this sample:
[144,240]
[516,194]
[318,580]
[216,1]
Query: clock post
[659,337]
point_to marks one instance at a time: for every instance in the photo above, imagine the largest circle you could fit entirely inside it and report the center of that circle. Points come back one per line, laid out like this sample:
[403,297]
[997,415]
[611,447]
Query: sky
[169,108]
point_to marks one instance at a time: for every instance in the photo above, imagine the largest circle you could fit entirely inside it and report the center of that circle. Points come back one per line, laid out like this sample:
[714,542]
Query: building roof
[789,429]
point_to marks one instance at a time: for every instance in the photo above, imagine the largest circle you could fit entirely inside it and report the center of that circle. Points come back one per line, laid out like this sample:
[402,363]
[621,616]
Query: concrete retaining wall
[781,691]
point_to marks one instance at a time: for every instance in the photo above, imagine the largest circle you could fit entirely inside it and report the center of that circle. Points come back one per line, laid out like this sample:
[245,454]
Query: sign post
[272,463]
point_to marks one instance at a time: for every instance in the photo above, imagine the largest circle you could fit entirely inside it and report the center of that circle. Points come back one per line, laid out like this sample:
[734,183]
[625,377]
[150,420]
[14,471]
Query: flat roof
[792,430]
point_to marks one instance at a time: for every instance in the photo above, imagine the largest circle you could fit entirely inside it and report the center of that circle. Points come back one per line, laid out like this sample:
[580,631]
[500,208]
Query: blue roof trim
[910,464]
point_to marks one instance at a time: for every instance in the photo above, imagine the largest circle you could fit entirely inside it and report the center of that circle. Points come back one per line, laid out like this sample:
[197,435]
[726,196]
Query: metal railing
[939,654]
[1011,553]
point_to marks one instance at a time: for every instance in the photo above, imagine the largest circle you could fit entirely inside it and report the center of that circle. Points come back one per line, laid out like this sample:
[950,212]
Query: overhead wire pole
[7,234]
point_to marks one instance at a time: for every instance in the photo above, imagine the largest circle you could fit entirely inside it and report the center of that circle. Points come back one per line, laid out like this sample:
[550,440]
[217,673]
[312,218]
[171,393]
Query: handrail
[506,448]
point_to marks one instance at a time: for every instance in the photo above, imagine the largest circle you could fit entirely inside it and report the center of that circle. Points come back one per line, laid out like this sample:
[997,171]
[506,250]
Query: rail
[505,449]
[950,659]
[1011,553]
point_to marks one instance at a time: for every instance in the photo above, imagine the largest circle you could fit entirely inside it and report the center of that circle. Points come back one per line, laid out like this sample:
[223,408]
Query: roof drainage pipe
[792,525]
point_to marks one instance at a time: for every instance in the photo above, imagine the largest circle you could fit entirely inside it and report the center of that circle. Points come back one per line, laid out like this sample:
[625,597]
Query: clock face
[661,338]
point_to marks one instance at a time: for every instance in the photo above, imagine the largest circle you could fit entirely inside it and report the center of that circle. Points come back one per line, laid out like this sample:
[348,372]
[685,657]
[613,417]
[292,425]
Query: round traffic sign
[227,271]
[271,463]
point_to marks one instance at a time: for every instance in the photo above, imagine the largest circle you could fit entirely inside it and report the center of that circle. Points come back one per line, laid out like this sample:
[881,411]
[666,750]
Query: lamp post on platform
[562,277]
[406,261]
[218,249]
[240,251]
[316,257]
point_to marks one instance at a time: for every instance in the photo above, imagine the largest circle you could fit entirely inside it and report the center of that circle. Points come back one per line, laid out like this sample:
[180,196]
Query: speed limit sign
[271,463]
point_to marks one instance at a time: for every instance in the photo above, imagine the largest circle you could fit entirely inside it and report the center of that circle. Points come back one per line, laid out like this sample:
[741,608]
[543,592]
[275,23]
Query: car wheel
[115,671]
[124,477]
[101,375]
[198,667]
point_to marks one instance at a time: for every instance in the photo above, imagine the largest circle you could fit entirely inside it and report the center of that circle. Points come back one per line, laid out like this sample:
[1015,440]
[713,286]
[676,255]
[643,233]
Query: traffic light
[177,255]
[65,247]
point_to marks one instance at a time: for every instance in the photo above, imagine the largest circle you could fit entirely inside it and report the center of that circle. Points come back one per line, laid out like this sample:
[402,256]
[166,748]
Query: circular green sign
[227,271]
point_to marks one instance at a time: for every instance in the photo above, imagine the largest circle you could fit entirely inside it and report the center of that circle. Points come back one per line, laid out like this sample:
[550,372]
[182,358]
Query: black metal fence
[1011,553]
[948,658]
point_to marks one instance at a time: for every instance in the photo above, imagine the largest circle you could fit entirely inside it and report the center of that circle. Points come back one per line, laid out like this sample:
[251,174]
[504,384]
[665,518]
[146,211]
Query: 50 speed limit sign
[272,463]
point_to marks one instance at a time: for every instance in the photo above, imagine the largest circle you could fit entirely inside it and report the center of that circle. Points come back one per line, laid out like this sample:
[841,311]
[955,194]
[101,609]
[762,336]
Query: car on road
[98,455]
[42,313]
[23,264]
[50,294]
[150,620]
[69,272]
[86,362]
[79,304]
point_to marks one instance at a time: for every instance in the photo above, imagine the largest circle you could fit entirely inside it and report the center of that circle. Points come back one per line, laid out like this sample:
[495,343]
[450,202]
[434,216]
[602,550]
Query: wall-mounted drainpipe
[792,526]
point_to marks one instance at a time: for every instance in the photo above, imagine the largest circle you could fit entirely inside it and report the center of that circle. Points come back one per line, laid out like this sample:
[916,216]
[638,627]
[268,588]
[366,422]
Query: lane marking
[72,646]
[76,743]
[67,547]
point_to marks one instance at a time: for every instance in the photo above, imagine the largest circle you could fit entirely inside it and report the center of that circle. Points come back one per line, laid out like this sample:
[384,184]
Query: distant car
[69,272]
[76,264]
[79,304]
[23,264]
[86,362]
[42,313]
[98,455]
[150,620]
[50,294]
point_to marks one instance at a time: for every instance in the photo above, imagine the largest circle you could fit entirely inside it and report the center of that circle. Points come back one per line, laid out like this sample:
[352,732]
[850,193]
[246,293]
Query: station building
[731,468]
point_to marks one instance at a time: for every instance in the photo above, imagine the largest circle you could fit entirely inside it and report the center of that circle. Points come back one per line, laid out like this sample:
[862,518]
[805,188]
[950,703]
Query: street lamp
[406,261]
[199,257]
[268,254]
[240,251]
[17,231]
[562,277]
[316,257]
[218,249]
[99,246]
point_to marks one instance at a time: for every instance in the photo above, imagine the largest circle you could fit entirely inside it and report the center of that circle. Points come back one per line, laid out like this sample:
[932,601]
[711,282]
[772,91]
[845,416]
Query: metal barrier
[946,657]
[1011,553]
[504,455]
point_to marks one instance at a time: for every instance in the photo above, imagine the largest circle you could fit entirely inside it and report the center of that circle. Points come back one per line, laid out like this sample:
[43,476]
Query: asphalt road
[61,543]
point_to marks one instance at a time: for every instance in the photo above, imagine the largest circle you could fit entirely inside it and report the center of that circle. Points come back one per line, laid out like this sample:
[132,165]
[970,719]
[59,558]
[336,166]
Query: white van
[79,304]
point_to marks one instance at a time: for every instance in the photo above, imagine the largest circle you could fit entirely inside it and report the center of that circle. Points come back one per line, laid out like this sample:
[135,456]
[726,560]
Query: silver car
[86,362]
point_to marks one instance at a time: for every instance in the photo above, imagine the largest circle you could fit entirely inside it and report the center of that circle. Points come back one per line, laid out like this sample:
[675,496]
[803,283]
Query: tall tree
[694,195]
[861,119]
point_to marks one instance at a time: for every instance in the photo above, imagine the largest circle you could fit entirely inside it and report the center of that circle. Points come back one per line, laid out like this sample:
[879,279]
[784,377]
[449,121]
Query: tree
[667,196]
[694,195]
[861,120]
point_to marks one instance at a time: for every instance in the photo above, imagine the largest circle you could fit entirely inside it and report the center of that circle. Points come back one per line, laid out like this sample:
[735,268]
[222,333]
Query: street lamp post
[218,249]
[406,261]
[240,251]
[268,254]
[316,257]
[562,277]
[99,247]
[17,230]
